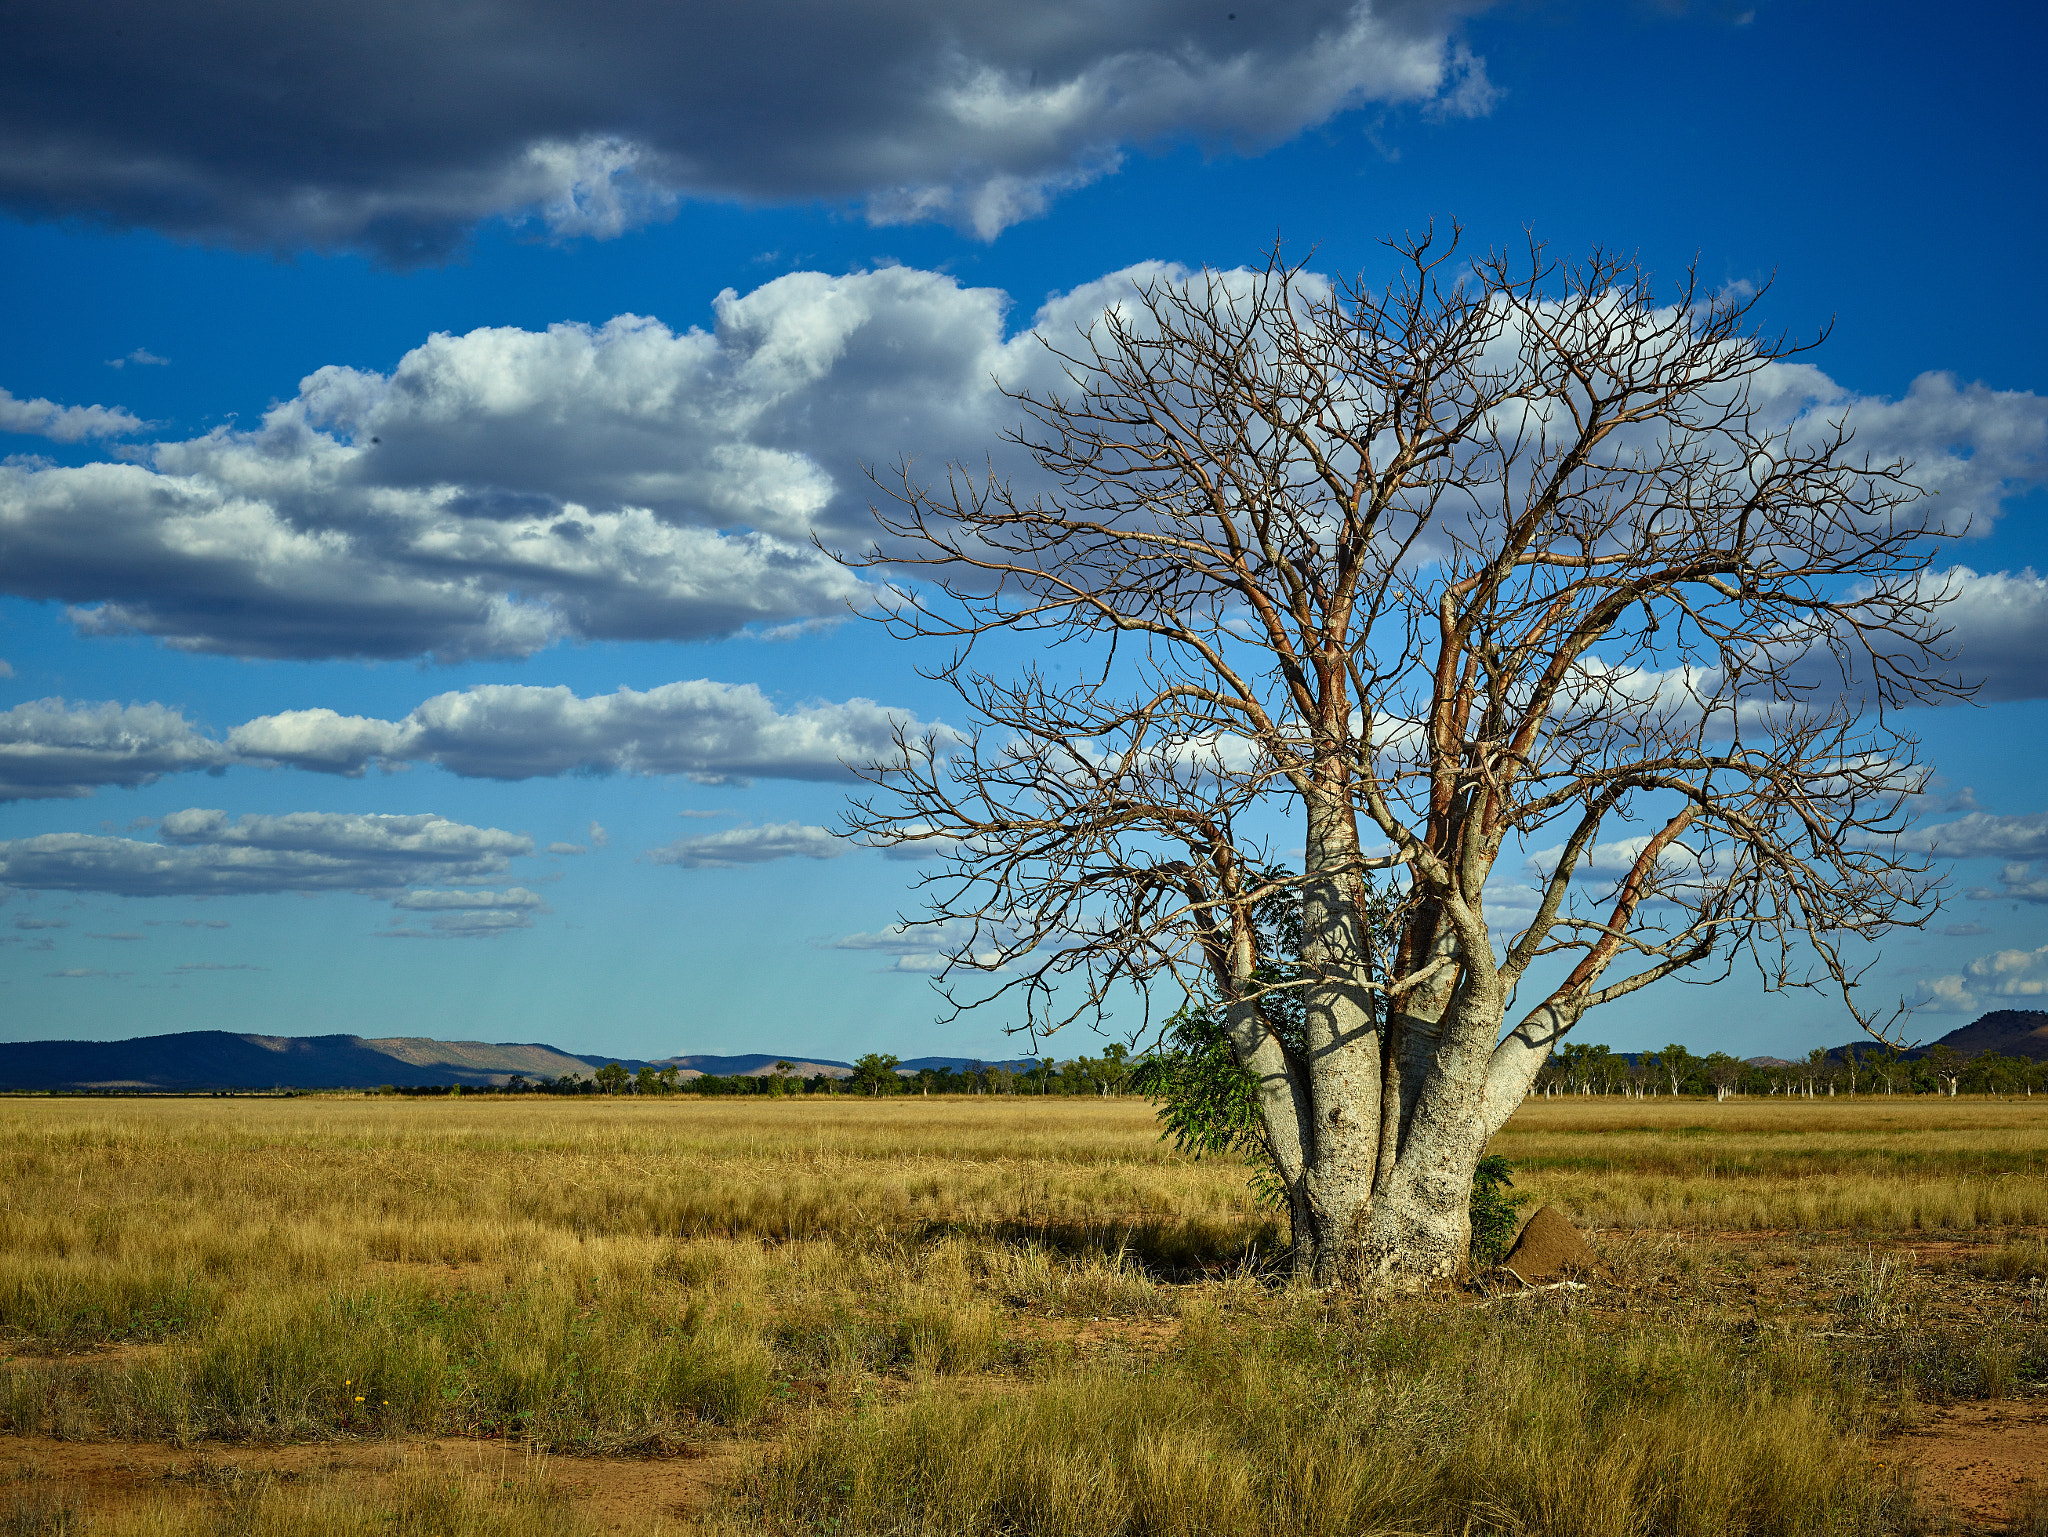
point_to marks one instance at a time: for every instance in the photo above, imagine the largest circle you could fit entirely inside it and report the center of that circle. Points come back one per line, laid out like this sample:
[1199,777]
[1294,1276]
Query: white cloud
[1998,631]
[53,750]
[65,424]
[1983,835]
[503,490]
[2001,974]
[142,357]
[403,128]
[203,853]
[567,848]
[737,846]
[599,838]
[714,733]
[2016,883]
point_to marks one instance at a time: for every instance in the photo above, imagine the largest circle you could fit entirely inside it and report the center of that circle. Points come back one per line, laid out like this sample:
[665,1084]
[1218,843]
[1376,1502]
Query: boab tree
[1511,562]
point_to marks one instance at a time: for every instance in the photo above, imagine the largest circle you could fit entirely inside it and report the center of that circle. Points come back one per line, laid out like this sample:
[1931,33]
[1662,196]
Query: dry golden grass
[1876,1163]
[872,1291]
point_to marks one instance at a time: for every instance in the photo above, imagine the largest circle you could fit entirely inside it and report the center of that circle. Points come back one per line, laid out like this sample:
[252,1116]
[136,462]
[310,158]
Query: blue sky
[191,247]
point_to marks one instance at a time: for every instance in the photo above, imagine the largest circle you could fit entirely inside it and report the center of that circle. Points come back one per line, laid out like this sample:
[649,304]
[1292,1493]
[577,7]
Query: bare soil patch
[1976,1461]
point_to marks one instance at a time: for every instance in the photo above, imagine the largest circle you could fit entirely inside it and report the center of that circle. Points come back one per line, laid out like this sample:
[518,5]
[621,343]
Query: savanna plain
[1000,1315]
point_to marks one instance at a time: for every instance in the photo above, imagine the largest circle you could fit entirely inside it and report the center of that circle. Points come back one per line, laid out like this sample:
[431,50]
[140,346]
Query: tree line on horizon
[1576,1069]
[1861,1069]
[874,1075]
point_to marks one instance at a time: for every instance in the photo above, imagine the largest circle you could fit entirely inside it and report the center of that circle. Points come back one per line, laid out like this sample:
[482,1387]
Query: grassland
[979,1316]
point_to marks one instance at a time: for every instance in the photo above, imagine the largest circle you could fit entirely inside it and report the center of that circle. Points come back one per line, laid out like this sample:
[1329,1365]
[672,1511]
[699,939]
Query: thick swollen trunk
[1385,1204]
[1342,1034]
[1378,1131]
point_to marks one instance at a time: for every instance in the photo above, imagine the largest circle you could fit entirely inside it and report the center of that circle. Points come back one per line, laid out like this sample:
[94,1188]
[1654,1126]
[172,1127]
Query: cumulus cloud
[2002,435]
[737,846]
[567,848]
[1998,631]
[2017,882]
[53,750]
[141,357]
[504,490]
[393,128]
[204,853]
[2001,974]
[714,733]
[501,491]
[65,424]
[1983,835]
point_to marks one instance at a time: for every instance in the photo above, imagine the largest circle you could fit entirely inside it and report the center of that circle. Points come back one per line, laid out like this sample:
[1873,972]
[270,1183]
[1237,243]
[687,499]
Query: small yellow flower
[359,1398]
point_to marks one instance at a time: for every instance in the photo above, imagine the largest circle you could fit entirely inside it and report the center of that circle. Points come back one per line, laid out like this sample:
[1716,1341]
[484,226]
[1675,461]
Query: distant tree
[875,1074]
[1723,1073]
[668,1077]
[1679,1067]
[1116,1067]
[1947,1065]
[611,1079]
[646,1081]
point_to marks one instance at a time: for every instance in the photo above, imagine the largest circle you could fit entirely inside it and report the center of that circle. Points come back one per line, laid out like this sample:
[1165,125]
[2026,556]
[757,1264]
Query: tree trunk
[1345,1068]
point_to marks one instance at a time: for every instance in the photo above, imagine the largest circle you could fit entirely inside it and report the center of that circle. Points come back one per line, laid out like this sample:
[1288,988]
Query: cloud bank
[712,733]
[201,853]
[51,750]
[506,490]
[65,424]
[2001,974]
[397,128]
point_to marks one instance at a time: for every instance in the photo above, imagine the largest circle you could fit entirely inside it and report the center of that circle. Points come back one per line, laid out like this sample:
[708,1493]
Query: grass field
[988,1315]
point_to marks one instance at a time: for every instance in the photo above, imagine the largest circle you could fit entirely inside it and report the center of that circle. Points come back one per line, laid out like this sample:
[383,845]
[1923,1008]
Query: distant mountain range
[2002,1032]
[2008,1032]
[199,1061]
